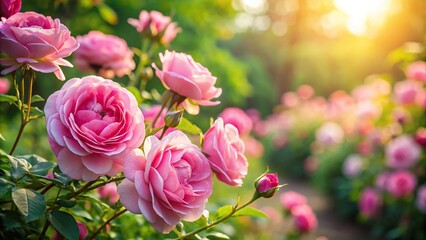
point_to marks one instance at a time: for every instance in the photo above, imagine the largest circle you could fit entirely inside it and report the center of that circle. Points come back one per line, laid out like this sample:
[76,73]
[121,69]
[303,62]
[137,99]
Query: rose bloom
[370,202]
[407,92]
[171,182]
[238,118]
[329,133]
[266,183]
[4,85]
[105,54]
[291,199]
[154,24]
[253,148]
[9,7]
[416,71]
[382,179]
[421,198]
[37,41]
[352,165]
[304,218]
[82,229]
[92,123]
[182,75]
[108,192]
[401,183]
[402,152]
[225,151]
[306,92]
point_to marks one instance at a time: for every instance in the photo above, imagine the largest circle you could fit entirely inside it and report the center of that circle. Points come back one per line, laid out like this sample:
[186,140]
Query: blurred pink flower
[106,55]
[155,25]
[38,41]
[416,71]
[421,198]
[420,136]
[402,152]
[92,123]
[290,99]
[267,185]
[370,202]
[109,193]
[182,75]
[329,133]
[382,179]
[406,92]
[291,199]
[4,85]
[254,115]
[401,183]
[169,183]
[352,165]
[253,148]
[225,151]
[83,232]
[305,92]
[401,115]
[9,7]
[238,118]
[304,218]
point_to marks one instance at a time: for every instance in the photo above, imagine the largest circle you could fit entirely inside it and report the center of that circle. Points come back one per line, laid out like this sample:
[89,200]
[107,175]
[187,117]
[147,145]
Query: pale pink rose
[401,183]
[238,118]
[305,92]
[92,123]
[290,99]
[155,25]
[291,199]
[182,75]
[82,229]
[304,218]
[420,137]
[169,183]
[382,179]
[150,113]
[38,41]
[107,55]
[108,192]
[352,166]
[4,85]
[225,151]
[370,202]
[329,133]
[407,92]
[267,185]
[421,198]
[253,148]
[9,7]
[367,109]
[402,152]
[416,71]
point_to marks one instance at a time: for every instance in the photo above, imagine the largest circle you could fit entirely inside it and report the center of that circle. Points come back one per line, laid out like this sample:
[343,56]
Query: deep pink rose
[420,136]
[225,151]
[92,124]
[171,182]
[9,7]
[370,202]
[416,71]
[38,41]
[267,185]
[304,218]
[402,152]
[108,192]
[83,232]
[407,92]
[238,118]
[291,199]
[154,24]
[401,183]
[4,85]
[352,165]
[105,54]
[182,75]
[421,198]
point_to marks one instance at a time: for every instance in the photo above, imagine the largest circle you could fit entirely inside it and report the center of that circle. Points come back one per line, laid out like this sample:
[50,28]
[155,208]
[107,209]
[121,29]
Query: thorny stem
[117,214]
[47,188]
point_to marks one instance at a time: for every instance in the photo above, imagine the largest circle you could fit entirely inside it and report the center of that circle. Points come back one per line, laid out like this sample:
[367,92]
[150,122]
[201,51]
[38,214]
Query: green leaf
[64,223]
[136,93]
[12,219]
[107,13]
[251,212]
[201,222]
[30,203]
[187,126]
[222,211]
[61,177]
[66,203]
[217,235]
[5,187]
[19,167]
[37,98]
[42,168]
[8,98]
[2,138]
[78,211]
[36,112]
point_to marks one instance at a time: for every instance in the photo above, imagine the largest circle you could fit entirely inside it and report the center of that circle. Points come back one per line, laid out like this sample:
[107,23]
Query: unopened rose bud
[173,118]
[267,185]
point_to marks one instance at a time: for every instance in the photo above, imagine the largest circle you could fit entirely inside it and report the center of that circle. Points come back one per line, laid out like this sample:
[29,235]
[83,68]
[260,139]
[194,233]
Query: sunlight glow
[362,13]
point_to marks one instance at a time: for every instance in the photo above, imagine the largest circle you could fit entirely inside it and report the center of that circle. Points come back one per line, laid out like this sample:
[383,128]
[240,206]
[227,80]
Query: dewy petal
[128,196]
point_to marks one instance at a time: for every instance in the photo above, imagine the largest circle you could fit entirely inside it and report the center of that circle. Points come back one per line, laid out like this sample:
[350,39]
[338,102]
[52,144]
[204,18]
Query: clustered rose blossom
[182,75]
[37,41]
[401,183]
[370,202]
[9,7]
[92,123]
[155,25]
[109,192]
[421,198]
[82,232]
[416,71]
[352,165]
[290,199]
[4,85]
[402,152]
[238,118]
[304,218]
[169,183]
[225,151]
[105,54]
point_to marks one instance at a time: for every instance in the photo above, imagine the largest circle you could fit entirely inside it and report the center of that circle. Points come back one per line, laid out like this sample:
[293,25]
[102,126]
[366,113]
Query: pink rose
[401,183]
[267,185]
[109,192]
[291,199]
[329,134]
[172,181]
[402,152]
[182,75]
[9,7]
[382,179]
[92,123]
[105,54]
[305,92]
[238,118]
[38,41]
[83,232]
[225,151]
[352,165]
[4,85]
[416,71]
[304,218]
[370,202]
[253,148]
[154,24]
[420,136]
[421,198]
[407,92]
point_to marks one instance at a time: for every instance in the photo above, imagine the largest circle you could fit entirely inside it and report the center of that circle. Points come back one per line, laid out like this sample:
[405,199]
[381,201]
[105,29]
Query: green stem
[117,214]
[105,183]
[45,227]
[47,188]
